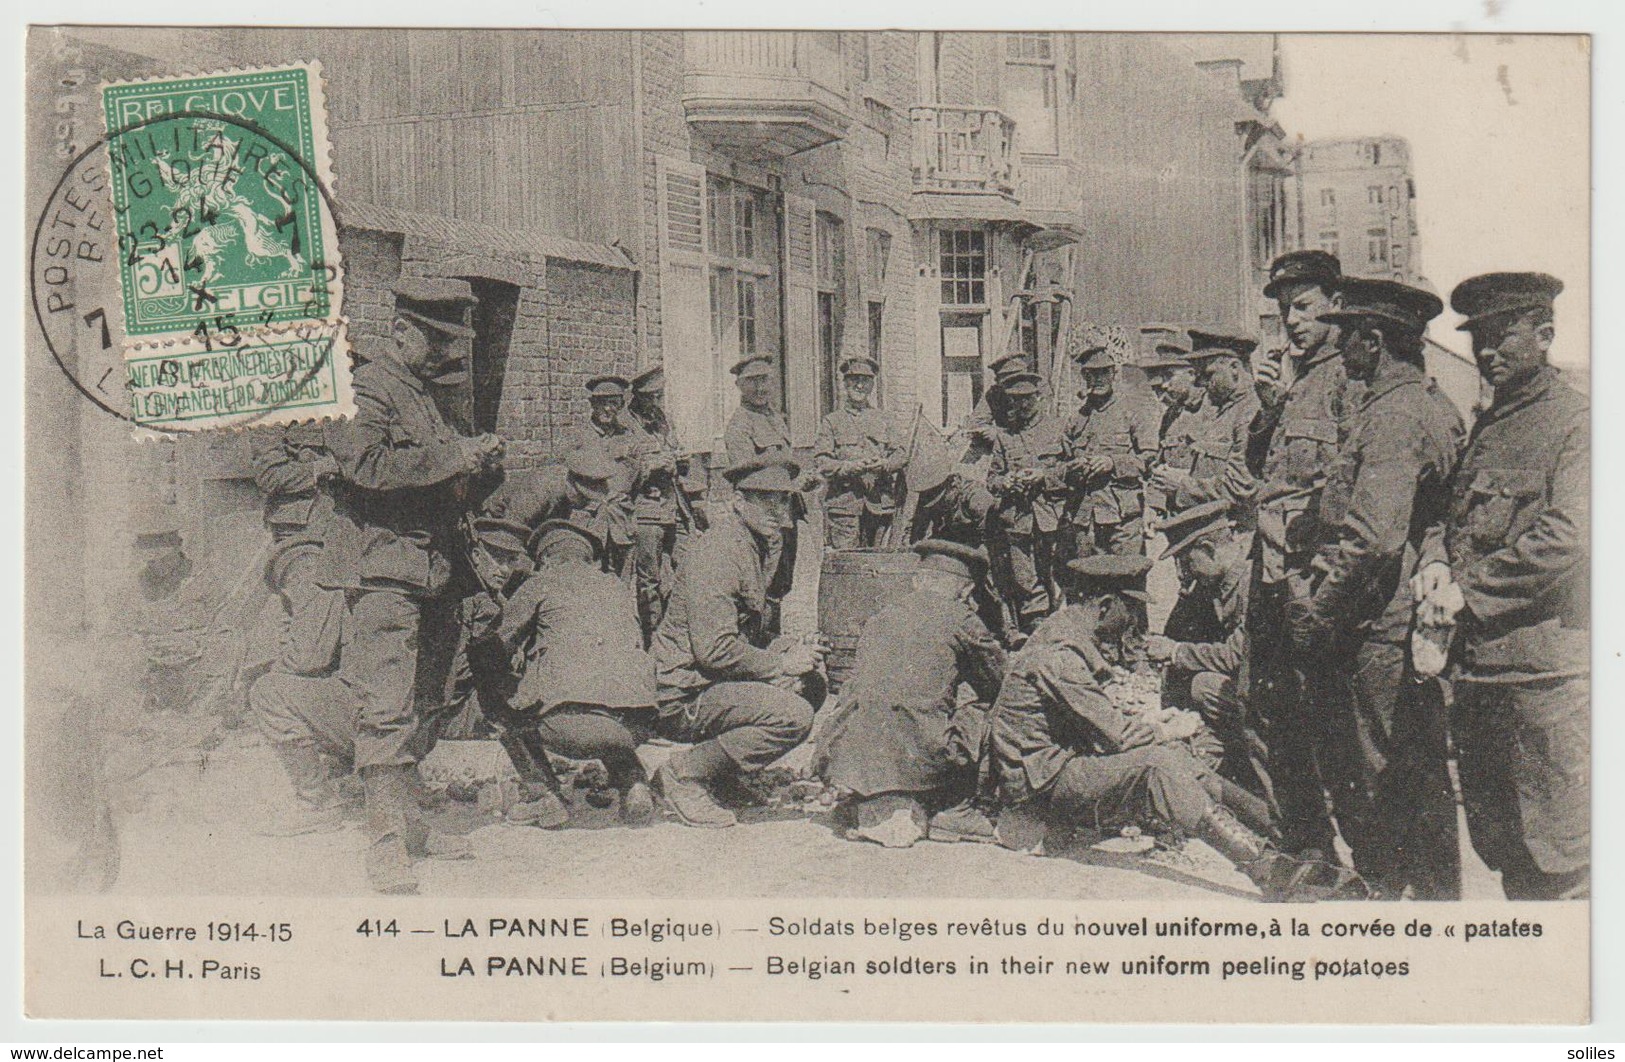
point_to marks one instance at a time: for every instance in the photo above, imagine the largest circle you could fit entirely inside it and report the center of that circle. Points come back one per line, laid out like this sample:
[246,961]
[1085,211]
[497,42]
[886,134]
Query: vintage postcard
[737,524]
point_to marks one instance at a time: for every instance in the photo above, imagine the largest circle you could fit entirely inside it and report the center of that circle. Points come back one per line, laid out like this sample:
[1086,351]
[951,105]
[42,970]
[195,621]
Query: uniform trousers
[1524,751]
[1383,758]
[753,722]
[1290,728]
[1144,786]
[316,711]
[593,732]
[854,530]
[654,547]
[380,657]
[1028,572]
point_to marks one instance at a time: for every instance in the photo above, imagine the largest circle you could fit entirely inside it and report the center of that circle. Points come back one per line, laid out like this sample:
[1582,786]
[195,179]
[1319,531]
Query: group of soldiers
[1342,556]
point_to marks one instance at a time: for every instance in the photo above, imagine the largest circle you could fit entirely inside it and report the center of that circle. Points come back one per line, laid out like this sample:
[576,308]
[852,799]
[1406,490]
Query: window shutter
[800,320]
[685,311]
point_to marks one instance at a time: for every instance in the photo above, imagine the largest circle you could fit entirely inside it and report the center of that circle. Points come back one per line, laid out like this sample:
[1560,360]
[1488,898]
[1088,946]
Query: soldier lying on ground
[900,744]
[1067,757]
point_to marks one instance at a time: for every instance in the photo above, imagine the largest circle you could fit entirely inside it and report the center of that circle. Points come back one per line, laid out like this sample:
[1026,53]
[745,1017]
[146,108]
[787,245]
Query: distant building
[1357,199]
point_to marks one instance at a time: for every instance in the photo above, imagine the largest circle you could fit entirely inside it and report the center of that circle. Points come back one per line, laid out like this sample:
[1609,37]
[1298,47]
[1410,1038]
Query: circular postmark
[154,218]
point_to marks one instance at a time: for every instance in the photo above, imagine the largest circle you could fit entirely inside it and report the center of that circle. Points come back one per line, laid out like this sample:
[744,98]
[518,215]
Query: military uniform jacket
[619,445]
[656,454]
[892,729]
[1177,431]
[1041,445]
[284,461]
[1127,432]
[1218,465]
[846,436]
[402,484]
[576,630]
[750,435]
[1387,485]
[1227,656]
[714,629]
[1517,536]
[1290,450]
[1051,708]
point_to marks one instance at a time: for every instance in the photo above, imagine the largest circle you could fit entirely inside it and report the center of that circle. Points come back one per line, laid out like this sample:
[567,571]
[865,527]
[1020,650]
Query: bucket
[852,586]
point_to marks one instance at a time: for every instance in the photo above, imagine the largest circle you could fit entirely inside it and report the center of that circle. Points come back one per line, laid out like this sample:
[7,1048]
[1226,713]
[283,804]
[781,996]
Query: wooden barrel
[852,586]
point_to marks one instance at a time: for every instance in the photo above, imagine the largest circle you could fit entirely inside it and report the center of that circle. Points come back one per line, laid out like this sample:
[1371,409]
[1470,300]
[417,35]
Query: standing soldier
[402,474]
[1510,565]
[726,686]
[1383,744]
[1114,440]
[1027,476]
[656,506]
[608,436]
[858,456]
[756,432]
[1291,444]
[901,742]
[1173,380]
[1219,433]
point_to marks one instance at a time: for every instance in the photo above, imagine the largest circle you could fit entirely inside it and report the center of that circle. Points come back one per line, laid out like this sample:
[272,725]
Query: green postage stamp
[228,263]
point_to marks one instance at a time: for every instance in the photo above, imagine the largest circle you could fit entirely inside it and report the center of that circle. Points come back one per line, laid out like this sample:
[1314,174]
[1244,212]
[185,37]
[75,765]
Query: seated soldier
[723,686]
[310,710]
[901,743]
[586,688]
[1066,756]
[1215,567]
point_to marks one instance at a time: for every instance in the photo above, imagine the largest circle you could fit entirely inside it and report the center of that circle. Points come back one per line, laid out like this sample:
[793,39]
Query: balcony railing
[765,92]
[964,150]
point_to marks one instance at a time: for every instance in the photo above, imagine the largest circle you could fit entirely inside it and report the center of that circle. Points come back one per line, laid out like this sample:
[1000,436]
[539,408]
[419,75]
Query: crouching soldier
[585,688]
[722,686]
[900,744]
[1209,676]
[1066,756]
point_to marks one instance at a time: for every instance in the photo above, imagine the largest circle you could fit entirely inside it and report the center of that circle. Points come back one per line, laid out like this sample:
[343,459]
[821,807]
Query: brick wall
[592,330]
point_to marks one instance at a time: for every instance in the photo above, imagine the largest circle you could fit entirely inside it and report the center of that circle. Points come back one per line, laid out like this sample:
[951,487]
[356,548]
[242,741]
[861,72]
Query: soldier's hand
[1138,732]
[800,659]
[1267,381]
[326,468]
[1171,479]
[1159,647]
[1427,581]
[1096,465]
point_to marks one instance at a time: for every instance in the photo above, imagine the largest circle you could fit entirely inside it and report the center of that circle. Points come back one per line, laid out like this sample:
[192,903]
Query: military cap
[436,303]
[1184,529]
[607,386]
[1020,383]
[1490,294]
[1095,356]
[859,366]
[507,535]
[1205,344]
[1108,571]
[755,365]
[550,531]
[1009,364]
[1399,304]
[767,472]
[591,464]
[284,554]
[1302,267]
[649,381]
[941,555]
[1170,344]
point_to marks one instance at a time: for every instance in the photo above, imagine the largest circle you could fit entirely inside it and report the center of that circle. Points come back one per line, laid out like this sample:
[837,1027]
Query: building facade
[1357,199]
[621,199]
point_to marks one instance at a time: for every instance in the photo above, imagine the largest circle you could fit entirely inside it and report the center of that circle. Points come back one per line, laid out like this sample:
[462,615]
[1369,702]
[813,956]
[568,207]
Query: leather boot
[543,804]
[389,866]
[1276,874]
[319,808]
